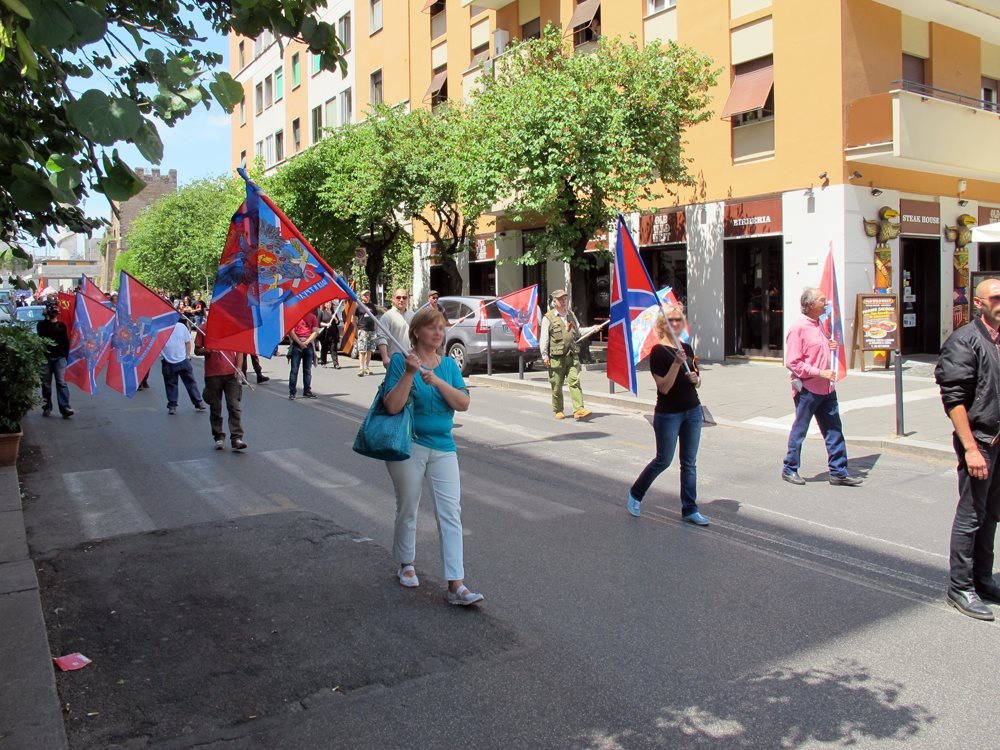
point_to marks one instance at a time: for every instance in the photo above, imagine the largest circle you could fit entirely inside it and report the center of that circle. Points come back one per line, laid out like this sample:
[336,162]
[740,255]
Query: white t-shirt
[175,350]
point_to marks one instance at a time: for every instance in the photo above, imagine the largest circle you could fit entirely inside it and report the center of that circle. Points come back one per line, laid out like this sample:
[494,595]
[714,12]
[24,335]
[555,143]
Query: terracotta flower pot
[10,444]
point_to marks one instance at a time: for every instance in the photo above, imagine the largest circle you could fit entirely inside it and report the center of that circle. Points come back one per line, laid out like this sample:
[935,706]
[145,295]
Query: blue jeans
[55,367]
[669,428]
[184,371]
[827,412]
[305,356]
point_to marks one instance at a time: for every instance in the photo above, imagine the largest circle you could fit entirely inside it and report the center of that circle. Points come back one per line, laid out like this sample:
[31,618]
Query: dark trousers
[305,357]
[330,342]
[826,409]
[184,371]
[976,516]
[255,363]
[217,386]
[55,368]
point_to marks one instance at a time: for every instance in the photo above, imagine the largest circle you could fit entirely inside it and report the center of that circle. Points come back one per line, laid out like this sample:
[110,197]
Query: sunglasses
[676,320]
[401,297]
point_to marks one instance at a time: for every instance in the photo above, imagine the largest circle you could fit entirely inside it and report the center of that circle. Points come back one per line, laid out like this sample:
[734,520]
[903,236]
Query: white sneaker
[410,581]
[219,445]
[463,597]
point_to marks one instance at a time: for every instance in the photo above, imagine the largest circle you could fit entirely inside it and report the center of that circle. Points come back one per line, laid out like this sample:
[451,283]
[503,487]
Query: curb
[903,446]
[29,701]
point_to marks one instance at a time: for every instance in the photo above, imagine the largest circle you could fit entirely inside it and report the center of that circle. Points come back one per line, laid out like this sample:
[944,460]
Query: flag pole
[593,330]
[474,312]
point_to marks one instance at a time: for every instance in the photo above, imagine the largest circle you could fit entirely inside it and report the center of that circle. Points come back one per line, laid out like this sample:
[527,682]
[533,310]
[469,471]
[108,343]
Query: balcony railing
[930,92]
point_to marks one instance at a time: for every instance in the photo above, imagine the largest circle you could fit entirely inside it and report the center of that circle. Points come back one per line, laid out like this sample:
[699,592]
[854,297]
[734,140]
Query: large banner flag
[89,340]
[519,311]
[832,321]
[67,302]
[632,293]
[143,323]
[93,291]
[269,277]
[644,336]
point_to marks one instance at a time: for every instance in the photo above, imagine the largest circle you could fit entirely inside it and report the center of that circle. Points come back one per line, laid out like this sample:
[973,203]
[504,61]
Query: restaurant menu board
[878,318]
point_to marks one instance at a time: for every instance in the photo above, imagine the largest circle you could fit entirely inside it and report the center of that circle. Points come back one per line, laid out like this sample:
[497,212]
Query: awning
[428,5]
[584,13]
[437,83]
[749,92]
[986,233]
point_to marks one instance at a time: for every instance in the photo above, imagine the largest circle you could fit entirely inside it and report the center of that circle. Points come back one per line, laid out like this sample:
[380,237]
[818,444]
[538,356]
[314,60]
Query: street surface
[249,600]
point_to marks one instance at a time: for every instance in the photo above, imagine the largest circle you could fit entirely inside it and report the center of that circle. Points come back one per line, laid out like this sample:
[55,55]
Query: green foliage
[574,138]
[57,143]
[124,262]
[22,357]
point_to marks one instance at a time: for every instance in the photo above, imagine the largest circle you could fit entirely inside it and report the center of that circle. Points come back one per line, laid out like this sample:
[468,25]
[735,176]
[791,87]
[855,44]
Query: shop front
[920,276]
[483,265]
[753,271]
[663,247]
[989,252]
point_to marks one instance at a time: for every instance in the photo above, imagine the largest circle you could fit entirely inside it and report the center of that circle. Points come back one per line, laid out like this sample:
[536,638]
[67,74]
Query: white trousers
[441,468]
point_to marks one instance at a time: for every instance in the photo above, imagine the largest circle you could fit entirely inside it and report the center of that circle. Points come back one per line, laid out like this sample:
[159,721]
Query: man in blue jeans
[807,356]
[57,349]
[300,351]
[176,363]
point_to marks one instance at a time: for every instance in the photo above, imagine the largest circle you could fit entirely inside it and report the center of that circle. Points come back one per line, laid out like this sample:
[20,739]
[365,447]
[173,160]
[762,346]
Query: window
[296,71]
[279,84]
[345,107]
[586,22]
[330,112]
[532,29]
[268,92]
[655,6]
[317,64]
[269,150]
[243,111]
[296,134]
[243,158]
[279,146]
[990,91]
[751,98]
[344,31]
[480,53]
[438,90]
[436,7]
[317,124]
[242,55]
[258,149]
[258,98]
[439,20]
[479,37]
[913,69]
[376,87]
[374,16]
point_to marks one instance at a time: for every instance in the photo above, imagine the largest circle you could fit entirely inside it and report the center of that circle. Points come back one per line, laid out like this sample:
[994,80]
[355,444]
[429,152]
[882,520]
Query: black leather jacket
[968,372]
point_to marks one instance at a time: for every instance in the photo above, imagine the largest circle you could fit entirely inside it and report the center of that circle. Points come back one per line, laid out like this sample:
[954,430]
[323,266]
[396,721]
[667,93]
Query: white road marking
[785,422]
[205,477]
[528,507]
[105,504]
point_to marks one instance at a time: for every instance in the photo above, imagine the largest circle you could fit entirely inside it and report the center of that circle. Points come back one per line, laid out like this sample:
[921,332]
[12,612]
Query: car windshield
[30,314]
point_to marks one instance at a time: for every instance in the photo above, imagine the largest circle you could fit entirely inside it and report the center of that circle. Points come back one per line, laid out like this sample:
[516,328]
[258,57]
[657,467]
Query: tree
[575,138]
[57,145]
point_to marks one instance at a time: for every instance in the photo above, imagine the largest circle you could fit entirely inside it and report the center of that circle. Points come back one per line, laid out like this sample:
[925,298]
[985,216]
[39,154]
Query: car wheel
[456,350]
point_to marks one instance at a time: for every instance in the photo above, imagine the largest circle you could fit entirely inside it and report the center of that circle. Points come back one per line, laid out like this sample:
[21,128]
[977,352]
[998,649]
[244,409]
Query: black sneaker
[291,396]
[200,406]
[171,410]
[46,412]
[68,413]
[262,379]
[238,444]
[309,395]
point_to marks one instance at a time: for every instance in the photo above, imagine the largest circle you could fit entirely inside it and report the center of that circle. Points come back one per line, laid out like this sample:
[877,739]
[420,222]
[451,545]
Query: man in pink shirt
[807,356]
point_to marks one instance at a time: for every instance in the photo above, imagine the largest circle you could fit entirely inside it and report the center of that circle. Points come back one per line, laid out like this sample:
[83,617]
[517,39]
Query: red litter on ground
[71,661]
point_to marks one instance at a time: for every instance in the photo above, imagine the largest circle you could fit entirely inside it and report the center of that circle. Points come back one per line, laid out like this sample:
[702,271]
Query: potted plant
[22,358]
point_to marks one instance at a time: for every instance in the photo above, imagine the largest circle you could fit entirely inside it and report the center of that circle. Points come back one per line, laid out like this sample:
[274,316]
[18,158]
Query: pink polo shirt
[807,351]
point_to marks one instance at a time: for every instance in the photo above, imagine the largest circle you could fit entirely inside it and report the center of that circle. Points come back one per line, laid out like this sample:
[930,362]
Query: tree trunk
[452,274]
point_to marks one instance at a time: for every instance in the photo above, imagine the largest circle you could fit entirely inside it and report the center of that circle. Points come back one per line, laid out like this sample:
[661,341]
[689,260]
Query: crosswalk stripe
[528,507]
[105,504]
[206,478]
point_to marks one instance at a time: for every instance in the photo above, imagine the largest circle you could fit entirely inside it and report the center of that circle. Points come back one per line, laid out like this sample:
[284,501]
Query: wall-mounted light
[962,185]
[876,192]
[824,176]
[855,175]
[963,203]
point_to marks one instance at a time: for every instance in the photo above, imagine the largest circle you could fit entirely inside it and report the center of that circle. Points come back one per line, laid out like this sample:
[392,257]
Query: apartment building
[827,113]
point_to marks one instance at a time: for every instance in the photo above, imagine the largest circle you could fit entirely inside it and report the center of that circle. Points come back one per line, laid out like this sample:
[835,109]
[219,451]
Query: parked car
[465,342]
[7,305]
[29,316]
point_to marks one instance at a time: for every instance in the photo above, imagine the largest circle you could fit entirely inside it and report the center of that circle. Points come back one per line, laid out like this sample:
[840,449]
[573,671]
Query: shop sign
[753,218]
[919,217]
[434,254]
[988,215]
[663,228]
[483,248]
[599,241]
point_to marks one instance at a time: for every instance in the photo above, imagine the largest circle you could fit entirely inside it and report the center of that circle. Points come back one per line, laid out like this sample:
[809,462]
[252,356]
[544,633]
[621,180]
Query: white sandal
[410,581]
[463,597]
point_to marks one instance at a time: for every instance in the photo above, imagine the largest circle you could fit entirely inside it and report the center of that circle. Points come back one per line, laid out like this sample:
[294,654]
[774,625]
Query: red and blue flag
[269,277]
[89,340]
[93,291]
[519,311]
[644,336]
[831,320]
[632,292]
[143,323]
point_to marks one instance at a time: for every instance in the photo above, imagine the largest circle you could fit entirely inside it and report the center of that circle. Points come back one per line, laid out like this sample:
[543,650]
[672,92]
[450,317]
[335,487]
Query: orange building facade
[826,113]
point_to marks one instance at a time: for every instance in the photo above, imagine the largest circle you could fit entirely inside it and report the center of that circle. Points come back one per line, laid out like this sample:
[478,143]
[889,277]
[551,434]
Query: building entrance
[920,296]
[754,315]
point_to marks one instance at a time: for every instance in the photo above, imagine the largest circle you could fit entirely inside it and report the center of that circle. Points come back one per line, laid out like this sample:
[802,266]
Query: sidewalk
[757,395]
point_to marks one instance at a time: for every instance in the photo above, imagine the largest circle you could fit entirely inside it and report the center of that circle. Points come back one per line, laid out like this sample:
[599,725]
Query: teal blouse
[432,417]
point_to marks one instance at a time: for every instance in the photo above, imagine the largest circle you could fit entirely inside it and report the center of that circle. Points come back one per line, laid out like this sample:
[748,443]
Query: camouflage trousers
[565,369]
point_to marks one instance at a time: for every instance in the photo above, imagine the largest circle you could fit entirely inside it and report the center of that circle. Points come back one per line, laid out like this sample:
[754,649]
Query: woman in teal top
[438,393]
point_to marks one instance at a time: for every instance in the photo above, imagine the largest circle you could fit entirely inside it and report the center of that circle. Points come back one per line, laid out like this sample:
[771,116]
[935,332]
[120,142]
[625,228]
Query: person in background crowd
[676,418]
[57,349]
[397,320]
[176,363]
[255,362]
[198,310]
[365,327]
[223,379]
[968,373]
[329,334]
[432,299]
[438,393]
[300,349]
[560,331]
[807,356]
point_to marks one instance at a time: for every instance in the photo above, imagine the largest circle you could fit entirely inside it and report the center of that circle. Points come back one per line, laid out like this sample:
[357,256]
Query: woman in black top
[677,416]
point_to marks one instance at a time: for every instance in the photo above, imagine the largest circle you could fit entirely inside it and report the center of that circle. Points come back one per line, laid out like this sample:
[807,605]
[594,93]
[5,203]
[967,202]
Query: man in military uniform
[560,353]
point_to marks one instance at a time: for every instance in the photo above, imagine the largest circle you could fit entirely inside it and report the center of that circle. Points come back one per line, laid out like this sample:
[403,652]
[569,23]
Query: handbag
[385,436]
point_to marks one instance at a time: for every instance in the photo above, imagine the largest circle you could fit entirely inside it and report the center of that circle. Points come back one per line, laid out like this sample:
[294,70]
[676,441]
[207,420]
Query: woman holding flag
[677,417]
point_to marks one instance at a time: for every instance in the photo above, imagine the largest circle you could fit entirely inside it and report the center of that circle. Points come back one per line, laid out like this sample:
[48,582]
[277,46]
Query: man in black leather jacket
[968,372]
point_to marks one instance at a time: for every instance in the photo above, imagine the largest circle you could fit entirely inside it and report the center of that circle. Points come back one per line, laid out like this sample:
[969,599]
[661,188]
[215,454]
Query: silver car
[465,341]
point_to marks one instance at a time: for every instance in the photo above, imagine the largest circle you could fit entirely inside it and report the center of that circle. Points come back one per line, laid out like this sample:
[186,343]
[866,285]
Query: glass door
[754,314]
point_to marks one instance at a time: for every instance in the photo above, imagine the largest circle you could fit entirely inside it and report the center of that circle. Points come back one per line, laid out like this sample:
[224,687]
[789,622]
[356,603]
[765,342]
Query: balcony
[490,4]
[924,129]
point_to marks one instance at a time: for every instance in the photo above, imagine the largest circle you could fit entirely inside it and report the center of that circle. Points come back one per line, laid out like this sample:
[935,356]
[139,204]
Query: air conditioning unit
[501,39]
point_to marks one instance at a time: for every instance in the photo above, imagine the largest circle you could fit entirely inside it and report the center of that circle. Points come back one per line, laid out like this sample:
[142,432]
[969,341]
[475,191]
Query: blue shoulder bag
[385,436]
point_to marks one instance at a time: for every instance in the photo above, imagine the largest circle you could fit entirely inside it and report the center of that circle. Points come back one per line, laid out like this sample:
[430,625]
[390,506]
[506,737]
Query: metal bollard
[900,430]
[520,366]
[489,350]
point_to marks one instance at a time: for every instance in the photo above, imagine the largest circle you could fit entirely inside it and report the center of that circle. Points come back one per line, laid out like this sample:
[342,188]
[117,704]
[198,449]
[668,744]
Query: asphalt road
[803,617]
